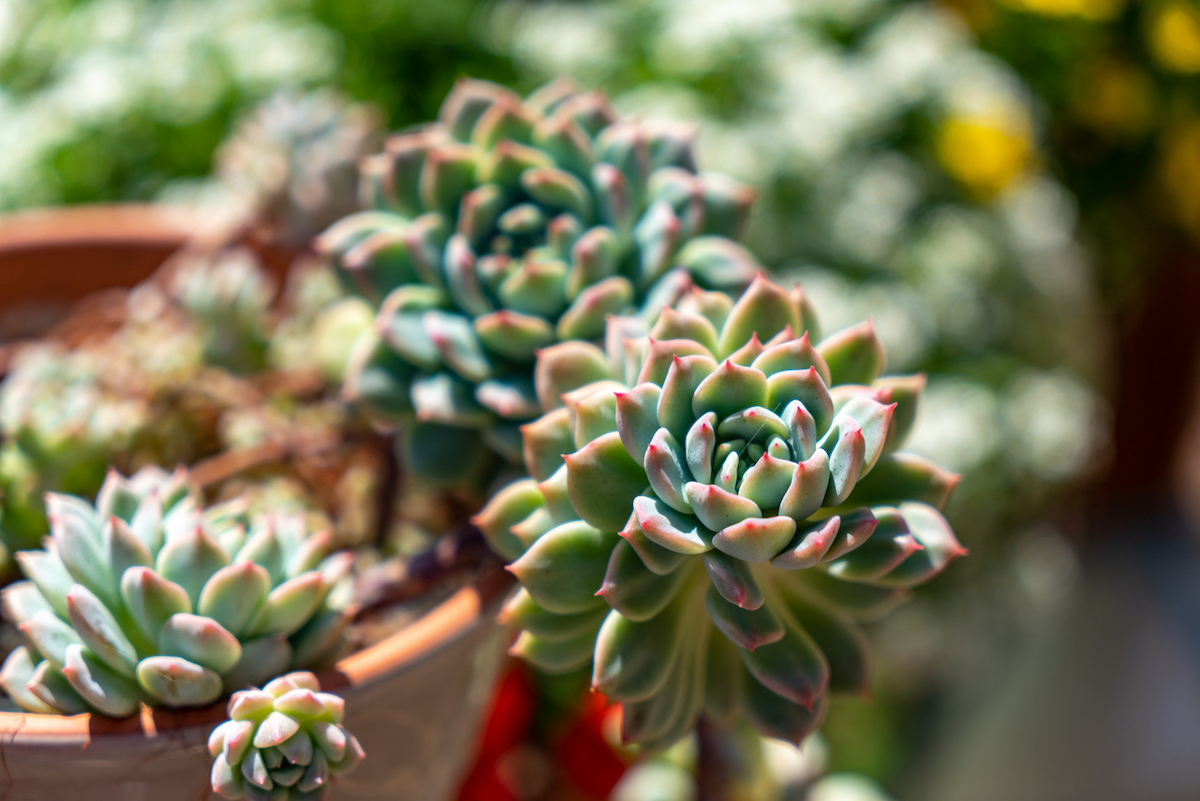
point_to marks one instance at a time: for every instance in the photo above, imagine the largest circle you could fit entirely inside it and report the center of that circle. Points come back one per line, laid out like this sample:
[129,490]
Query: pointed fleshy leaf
[565,567]
[48,573]
[567,366]
[657,235]
[856,528]
[746,354]
[124,548]
[665,469]
[806,387]
[658,559]
[847,449]
[939,547]
[633,660]
[508,507]
[633,589]
[508,397]
[720,263]
[755,539]
[116,498]
[100,631]
[733,579]
[809,487]
[603,479]
[676,410]
[513,335]
[22,600]
[555,496]
[556,656]
[747,628]
[289,605]
[176,682]
[190,560]
[889,544]
[78,544]
[840,640]
[729,459]
[730,388]
[700,446]
[546,440]
[263,549]
[802,430]
[586,316]
[809,545]
[49,687]
[775,717]
[716,508]
[522,612]
[792,667]
[593,410]
[637,420]
[536,287]
[793,354]
[854,355]
[201,640]
[906,393]
[614,199]
[101,687]
[722,681]
[681,533]
[904,476]
[331,739]
[50,637]
[753,424]
[764,309]
[673,324]
[150,599]
[874,420]
[455,341]
[594,257]
[662,354]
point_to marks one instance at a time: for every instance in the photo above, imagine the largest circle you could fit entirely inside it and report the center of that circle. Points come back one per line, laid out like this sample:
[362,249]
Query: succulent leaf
[183,625]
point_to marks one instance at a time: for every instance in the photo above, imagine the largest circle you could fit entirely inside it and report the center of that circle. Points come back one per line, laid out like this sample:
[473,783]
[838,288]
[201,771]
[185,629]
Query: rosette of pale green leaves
[511,224]
[294,160]
[147,597]
[712,508]
[282,742]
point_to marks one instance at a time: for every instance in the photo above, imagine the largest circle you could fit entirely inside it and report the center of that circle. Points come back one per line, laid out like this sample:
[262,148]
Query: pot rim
[436,628]
[101,223]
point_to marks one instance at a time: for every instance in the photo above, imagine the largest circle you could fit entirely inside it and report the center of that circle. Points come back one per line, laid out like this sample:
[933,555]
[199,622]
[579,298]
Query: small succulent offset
[282,742]
[509,225]
[712,507]
[148,597]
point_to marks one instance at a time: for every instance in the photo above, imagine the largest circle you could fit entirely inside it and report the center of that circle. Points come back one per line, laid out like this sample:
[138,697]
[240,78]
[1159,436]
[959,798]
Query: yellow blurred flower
[984,152]
[1174,36]
[1098,10]
[1116,99]
[1179,171]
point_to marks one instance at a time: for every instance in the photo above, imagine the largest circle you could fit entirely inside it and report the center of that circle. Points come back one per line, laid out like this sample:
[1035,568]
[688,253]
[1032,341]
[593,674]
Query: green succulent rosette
[506,226]
[148,597]
[282,743]
[713,506]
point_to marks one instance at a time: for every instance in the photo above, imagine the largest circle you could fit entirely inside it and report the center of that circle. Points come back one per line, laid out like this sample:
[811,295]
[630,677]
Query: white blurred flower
[958,424]
[847,787]
[1057,424]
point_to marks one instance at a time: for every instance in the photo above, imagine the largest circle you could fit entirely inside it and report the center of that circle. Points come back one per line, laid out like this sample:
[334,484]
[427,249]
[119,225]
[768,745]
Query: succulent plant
[712,506]
[509,225]
[282,742]
[148,597]
[294,158]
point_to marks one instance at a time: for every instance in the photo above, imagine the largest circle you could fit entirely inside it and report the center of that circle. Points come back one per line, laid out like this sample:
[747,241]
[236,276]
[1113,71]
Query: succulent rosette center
[715,500]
